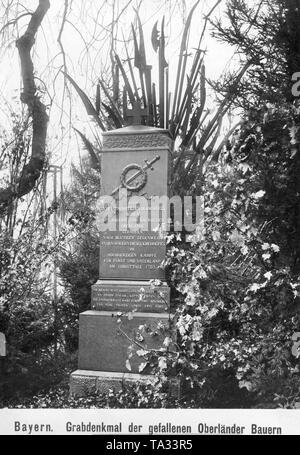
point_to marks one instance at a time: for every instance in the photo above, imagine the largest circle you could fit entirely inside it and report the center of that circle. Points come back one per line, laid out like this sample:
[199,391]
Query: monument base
[106,342]
[83,382]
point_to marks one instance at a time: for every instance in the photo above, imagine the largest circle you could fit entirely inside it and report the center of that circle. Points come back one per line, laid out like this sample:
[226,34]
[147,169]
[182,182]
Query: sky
[86,43]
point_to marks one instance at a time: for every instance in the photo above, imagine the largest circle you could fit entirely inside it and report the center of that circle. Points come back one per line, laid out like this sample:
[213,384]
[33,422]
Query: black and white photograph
[150,219]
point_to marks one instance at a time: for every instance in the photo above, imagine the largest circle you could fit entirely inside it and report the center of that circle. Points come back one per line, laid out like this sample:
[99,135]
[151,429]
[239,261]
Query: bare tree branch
[13,22]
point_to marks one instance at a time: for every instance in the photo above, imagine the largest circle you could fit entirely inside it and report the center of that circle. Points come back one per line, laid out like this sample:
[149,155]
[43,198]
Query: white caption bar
[149,422]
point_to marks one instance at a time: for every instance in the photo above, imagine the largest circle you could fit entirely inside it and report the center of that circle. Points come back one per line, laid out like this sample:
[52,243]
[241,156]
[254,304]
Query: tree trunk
[37,110]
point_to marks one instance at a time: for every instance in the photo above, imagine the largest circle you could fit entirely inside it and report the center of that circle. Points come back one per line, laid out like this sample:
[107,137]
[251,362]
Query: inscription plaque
[126,297]
[126,255]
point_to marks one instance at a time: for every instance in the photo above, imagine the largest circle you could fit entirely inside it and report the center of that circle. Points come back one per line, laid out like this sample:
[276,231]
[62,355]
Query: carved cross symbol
[137,114]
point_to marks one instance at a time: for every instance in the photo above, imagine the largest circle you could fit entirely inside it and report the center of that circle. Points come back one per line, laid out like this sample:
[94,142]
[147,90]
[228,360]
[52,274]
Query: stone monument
[136,159]
[2,345]
[2,352]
